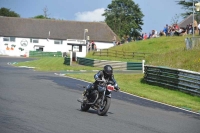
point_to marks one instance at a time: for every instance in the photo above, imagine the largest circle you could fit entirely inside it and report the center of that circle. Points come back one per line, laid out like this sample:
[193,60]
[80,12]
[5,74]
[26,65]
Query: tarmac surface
[45,102]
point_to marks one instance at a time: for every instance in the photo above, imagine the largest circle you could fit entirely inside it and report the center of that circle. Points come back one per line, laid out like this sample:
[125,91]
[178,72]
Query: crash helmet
[108,70]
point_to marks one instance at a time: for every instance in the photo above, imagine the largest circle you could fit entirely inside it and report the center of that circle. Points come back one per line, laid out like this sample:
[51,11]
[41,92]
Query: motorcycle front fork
[103,97]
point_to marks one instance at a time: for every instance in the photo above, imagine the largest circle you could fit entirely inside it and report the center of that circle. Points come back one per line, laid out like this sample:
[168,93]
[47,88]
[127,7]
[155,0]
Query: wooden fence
[120,54]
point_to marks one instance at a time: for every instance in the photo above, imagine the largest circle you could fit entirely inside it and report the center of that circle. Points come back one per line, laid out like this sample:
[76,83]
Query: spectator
[190,28]
[114,40]
[172,31]
[140,38]
[123,40]
[118,43]
[88,46]
[93,44]
[187,29]
[149,36]
[165,30]
[199,28]
[162,33]
[195,25]
[145,36]
[154,34]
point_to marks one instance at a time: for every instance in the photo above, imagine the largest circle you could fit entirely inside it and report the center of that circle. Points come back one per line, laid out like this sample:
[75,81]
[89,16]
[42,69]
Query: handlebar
[99,80]
[110,82]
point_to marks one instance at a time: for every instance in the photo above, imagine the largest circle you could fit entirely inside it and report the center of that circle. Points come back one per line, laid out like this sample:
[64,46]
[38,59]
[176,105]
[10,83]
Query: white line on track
[138,96]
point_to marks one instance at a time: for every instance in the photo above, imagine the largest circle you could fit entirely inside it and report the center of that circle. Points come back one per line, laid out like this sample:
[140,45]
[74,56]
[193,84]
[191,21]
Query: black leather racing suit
[101,76]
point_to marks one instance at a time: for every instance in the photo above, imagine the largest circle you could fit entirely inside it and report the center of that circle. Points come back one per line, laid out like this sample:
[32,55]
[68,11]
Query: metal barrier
[67,61]
[44,54]
[115,64]
[192,42]
[183,80]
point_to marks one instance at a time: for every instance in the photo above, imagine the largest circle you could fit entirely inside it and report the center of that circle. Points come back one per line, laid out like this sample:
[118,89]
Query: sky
[157,13]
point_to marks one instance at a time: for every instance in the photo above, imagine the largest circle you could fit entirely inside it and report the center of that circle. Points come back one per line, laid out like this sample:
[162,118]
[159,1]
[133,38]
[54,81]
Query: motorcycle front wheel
[103,109]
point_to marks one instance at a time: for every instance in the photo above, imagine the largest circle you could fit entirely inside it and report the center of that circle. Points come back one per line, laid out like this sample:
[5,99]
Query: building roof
[59,29]
[188,20]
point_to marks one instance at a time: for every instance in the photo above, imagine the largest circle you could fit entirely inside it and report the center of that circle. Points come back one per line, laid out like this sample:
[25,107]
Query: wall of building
[103,45]
[47,45]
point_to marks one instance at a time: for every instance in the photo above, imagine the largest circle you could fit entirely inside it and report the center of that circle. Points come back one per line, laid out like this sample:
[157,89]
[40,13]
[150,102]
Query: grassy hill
[164,51]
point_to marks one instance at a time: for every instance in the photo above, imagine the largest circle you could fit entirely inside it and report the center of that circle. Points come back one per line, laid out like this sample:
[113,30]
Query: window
[9,39]
[57,41]
[39,49]
[77,48]
[6,39]
[80,48]
[34,40]
[12,39]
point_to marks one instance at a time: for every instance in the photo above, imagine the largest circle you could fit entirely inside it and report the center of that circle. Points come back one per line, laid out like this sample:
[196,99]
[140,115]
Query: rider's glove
[117,88]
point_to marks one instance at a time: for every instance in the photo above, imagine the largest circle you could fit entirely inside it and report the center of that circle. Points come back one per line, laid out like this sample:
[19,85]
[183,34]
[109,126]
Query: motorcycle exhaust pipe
[81,101]
[94,101]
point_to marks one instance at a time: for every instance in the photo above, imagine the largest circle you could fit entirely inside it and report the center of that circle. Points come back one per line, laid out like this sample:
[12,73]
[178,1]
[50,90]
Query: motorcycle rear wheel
[106,105]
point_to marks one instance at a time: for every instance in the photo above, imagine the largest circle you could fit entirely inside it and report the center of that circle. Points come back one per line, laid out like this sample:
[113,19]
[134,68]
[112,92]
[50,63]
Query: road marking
[143,98]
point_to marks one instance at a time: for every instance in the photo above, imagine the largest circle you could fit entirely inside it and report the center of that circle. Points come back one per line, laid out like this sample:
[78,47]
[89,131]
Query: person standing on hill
[199,28]
[93,45]
[114,40]
[166,30]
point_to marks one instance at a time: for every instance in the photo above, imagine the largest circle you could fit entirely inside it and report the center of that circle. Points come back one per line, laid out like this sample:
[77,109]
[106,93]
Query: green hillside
[164,51]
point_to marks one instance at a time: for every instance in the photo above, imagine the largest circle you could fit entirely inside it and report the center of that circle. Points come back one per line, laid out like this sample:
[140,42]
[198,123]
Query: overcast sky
[157,13]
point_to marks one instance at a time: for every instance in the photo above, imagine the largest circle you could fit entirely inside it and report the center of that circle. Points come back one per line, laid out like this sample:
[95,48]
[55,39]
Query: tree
[40,17]
[175,19]
[45,16]
[8,13]
[188,6]
[124,17]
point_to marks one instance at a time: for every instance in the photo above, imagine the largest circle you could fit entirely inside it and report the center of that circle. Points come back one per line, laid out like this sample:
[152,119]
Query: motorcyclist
[102,77]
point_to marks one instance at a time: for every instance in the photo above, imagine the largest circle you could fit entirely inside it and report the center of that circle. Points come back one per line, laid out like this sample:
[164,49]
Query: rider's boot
[85,95]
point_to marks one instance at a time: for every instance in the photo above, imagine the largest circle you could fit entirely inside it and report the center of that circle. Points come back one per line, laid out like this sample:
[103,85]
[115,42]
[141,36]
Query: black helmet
[108,70]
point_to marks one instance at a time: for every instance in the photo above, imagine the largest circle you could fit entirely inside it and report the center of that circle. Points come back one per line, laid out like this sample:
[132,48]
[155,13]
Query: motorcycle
[99,98]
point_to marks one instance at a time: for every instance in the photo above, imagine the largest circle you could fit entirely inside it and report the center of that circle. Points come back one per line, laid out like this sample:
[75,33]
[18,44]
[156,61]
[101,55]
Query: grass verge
[166,51]
[132,83]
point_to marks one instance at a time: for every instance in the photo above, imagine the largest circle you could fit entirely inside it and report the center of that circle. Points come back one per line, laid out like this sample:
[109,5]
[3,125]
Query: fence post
[143,61]
[107,52]
[70,57]
[100,52]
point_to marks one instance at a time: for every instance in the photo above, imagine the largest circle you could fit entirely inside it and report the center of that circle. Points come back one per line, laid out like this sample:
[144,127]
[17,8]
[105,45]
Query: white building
[18,36]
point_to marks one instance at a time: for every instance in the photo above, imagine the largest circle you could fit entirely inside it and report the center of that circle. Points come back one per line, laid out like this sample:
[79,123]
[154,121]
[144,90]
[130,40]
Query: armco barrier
[192,42]
[134,66]
[183,80]
[85,61]
[115,64]
[67,61]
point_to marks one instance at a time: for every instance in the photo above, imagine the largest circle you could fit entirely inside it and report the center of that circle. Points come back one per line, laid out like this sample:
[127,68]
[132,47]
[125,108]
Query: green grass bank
[165,51]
